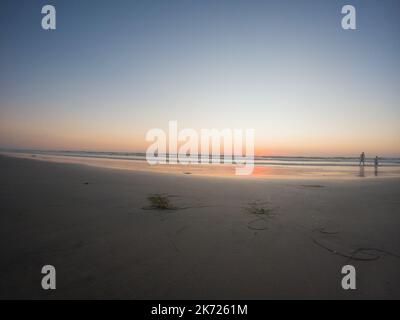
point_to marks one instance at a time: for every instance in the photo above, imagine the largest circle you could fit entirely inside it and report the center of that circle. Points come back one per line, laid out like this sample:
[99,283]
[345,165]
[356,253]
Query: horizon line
[167,154]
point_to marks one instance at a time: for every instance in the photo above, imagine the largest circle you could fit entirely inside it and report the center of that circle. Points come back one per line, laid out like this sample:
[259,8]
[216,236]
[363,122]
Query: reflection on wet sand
[362,171]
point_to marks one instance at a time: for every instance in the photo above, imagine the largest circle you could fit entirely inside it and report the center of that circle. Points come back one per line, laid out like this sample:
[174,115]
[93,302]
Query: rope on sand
[323,231]
[372,252]
[174,208]
[249,225]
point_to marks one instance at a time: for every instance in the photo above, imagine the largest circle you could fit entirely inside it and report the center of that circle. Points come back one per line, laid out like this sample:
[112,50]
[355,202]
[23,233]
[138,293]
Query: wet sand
[95,226]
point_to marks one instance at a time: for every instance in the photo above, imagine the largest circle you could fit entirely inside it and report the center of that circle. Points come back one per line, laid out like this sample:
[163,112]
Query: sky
[112,70]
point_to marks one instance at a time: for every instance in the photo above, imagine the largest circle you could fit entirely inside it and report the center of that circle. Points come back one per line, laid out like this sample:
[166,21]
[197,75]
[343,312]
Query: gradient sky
[114,69]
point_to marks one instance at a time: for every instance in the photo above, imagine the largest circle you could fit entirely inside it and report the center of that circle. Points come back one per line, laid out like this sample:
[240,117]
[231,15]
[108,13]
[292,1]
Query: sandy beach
[222,238]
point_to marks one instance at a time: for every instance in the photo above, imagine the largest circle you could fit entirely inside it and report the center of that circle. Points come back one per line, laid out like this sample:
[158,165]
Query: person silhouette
[362,159]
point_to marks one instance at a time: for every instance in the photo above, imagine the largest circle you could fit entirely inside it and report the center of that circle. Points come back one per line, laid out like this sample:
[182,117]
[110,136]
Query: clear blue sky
[114,69]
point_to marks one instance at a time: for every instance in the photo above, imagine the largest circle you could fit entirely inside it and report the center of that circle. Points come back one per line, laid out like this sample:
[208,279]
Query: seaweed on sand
[160,202]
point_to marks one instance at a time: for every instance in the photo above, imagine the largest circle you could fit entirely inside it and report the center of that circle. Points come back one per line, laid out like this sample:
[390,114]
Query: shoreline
[224,170]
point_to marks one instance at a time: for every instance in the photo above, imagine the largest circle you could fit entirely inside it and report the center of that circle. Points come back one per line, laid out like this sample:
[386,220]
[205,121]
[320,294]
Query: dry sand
[89,223]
